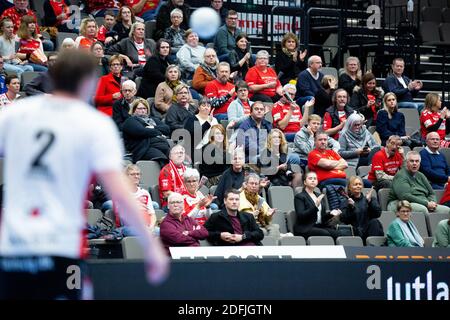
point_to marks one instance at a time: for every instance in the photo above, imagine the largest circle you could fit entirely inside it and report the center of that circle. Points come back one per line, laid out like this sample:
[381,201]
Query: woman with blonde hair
[433,118]
[274,161]
[88,33]
[352,75]
[215,155]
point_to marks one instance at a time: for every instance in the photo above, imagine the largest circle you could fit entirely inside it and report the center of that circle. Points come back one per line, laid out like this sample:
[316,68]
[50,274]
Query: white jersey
[52,146]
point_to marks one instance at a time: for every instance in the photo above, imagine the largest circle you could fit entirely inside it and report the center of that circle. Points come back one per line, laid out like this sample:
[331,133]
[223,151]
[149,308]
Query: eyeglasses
[175,202]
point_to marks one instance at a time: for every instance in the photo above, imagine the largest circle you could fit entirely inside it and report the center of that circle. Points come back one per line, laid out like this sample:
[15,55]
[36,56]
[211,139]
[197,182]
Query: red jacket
[107,86]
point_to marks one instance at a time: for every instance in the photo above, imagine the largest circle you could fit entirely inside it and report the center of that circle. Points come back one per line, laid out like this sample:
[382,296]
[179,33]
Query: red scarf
[178,182]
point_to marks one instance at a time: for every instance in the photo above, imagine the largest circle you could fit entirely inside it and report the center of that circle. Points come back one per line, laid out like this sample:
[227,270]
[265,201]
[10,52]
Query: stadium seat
[406,149]
[383,198]
[269,241]
[281,198]
[291,218]
[446,15]
[100,21]
[279,218]
[439,194]
[386,218]
[149,173]
[412,122]
[93,215]
[446,153]
[212,190]
[159,214]
[138,81]
[429,31]
[350,171]
[374,193]
[363,171]
[131,248]
[28,76]
[418,149]
[350,241]
[204,189]
[428,242]
[376,241]
[154,192]
[320,241]
[432,14]
[330,71]
[150,27]
[445,31]
[419,221]
[433,220]
[205,243]
[293,241]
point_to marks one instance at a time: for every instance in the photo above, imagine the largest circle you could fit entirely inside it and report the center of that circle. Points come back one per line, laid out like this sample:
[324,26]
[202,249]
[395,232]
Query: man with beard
[230,227]
[220,91]
[251,202]
[335,117]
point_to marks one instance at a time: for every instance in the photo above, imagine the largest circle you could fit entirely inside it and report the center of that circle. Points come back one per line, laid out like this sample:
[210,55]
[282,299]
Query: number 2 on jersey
[48,139]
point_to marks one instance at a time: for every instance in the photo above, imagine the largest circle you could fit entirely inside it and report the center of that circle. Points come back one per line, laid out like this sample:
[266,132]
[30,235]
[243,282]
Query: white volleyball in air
[205,22]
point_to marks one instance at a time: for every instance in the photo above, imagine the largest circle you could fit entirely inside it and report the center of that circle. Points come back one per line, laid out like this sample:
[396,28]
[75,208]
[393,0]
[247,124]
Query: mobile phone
[202,181]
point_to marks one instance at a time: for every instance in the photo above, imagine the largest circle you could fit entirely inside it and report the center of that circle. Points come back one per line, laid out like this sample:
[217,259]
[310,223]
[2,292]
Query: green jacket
[415,188]
[442,235]
[395,237]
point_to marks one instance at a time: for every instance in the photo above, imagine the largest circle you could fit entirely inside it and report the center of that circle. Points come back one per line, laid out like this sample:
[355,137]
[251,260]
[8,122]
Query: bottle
[410,6]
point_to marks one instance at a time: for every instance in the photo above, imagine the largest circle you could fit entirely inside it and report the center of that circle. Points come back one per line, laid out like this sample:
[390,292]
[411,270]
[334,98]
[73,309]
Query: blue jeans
[221,116]
[411,105]
[290,137]
[302,100]
[38,67]
[293,158]
[224,57]
[48,45]
[17,68]
[195,95]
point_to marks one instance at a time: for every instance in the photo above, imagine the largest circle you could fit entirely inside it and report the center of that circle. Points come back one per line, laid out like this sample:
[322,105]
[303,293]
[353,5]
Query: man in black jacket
[42,84]
[163,17]
[121,108]
[230,227]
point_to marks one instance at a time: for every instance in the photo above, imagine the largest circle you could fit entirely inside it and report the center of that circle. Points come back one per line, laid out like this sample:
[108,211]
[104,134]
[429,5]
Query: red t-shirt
[324,174]
[15,17]
[246,106]
[381,162]
[103,4]
[215,89]
[28,46]
[171,179]
[279,111]
[328,122]
[255,76]
[190,202]
[428,118]
[85,43]
[101,34]
[149,5]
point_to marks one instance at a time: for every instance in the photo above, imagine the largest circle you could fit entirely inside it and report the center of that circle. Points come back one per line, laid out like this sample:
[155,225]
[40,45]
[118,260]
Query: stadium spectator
[68,43]
[134,50]
[323,97]
[391,122]
[328,165]
[351,76]
[106,33]
[174,34]
[196,205]
[12,83]
[11,60]
[404,89]
[163,16]
[386,163]
[251,202]
[179,230]
[402,232]
[42,84]
[361,212]
[231,227]
[190,55]
[240,57]
[124,20]
[214,156]
[225,39]
[121,108]
[217,5]
[434,119]
[171,175]
[287,115]
[199,126]
[442,234]
[434,165]
[263,81]
[253,132]
[275,162]
[336,115]
[97,8]
[232,178]
[290,61]
[309,80]
[31,45]
[88,34]
[220,91]
[357,144]
[304,139]
[145,9]
[57,14]
[98,51]
[182,109]
[108,88]
[155,70]
[310,210]
[367,99]
[412,185]
[206,72]
[164,95]
[239,108]
[145,136]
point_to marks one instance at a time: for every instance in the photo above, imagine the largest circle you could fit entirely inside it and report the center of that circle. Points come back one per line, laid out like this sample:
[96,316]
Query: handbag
[38,57]
[345,230]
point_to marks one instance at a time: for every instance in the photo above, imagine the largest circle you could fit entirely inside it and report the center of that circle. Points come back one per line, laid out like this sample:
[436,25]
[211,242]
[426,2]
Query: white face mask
[87,89]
